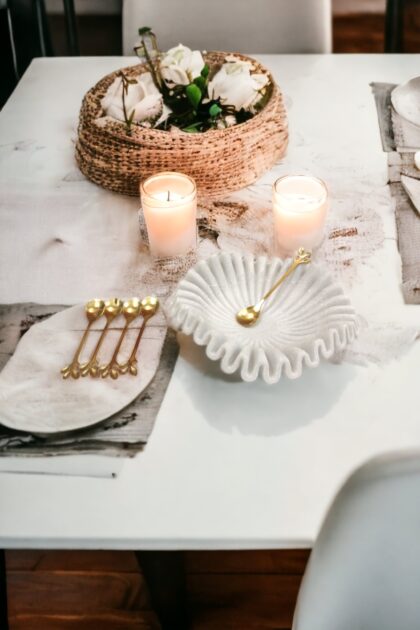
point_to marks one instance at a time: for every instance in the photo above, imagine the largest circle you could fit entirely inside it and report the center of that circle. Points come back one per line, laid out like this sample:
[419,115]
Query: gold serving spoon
[249,315]
[148,307]
[111,311]
[130,310]
[94,309]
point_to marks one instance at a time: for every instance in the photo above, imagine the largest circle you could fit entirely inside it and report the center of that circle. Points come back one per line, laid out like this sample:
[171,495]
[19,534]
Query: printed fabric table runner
[241,222]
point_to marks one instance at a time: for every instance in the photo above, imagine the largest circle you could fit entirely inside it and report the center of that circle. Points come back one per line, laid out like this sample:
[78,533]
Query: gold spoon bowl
[249,315]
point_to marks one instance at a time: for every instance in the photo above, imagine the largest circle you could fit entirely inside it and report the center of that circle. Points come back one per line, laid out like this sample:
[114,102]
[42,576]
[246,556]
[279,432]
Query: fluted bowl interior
[307,319]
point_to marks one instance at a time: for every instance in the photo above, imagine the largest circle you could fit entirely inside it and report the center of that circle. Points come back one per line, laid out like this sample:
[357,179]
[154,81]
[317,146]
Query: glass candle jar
[169,203]
[300,204]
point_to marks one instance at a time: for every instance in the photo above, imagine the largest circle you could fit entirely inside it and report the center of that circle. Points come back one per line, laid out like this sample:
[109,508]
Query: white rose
[142,97]
[234,85]
[180,65]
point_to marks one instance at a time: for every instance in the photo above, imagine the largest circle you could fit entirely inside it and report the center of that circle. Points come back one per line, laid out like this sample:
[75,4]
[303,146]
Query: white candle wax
[300,206]
[169,203]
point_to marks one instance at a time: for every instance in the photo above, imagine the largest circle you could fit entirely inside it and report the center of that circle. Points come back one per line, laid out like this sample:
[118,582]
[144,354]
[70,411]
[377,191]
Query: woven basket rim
[115,127]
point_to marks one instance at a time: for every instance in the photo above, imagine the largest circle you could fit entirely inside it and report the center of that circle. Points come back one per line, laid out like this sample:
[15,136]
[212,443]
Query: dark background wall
[358,26]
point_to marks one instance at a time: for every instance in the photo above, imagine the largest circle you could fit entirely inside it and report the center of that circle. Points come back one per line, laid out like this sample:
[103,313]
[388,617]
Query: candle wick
[169,195]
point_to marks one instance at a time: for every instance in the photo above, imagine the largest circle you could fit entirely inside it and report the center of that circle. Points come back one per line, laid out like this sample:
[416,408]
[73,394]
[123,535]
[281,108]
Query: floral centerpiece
[218,117]
[181,89]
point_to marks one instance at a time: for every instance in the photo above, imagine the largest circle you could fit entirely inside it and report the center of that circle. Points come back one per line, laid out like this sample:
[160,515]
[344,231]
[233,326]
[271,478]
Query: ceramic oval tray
[35,399]
[307,319]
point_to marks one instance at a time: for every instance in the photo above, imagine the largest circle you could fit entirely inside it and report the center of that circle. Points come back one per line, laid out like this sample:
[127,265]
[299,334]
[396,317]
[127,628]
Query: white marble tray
[307,319]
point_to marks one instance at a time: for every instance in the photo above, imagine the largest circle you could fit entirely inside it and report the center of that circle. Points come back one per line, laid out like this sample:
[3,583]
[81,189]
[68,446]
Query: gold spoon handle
[100,341]
[282,278]
[302,257]
[120,340]
[139,336]
[108,367]
[76,356]
[74,363]
[131,363]
[85,369]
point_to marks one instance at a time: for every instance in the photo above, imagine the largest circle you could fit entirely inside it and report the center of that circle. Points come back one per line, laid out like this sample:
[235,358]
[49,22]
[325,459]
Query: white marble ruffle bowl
[307,319]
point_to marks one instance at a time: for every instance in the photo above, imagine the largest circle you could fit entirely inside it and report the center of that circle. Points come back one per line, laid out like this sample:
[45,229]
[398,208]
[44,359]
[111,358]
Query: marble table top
[229,464]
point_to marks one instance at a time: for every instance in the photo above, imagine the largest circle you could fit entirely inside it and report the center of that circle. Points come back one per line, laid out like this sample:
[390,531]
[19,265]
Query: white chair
[364,570]
[257,26]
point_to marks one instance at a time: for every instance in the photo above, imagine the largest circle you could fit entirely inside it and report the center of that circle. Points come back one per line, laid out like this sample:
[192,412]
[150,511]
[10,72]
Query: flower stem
[128,120]
[157,79]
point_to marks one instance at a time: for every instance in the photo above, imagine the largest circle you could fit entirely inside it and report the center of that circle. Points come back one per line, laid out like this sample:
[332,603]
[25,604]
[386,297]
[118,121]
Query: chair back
[257,26]
[364,570]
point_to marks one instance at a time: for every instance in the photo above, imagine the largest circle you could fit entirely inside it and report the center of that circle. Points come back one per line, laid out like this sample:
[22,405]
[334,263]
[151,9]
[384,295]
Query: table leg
[71,27]
[164,572]
[4,621]
[394,26]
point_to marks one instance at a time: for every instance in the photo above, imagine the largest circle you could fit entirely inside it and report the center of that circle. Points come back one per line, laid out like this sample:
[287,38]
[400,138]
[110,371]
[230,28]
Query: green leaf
[194,94]
[144,30]
[215,110]
[205,71]
[191,129]
[201,83]
[198,123]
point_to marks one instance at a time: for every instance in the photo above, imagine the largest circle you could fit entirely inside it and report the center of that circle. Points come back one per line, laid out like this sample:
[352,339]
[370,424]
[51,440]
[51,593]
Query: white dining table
[230,465]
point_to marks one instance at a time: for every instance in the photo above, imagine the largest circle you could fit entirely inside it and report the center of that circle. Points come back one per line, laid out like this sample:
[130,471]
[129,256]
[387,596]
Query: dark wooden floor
[50,590]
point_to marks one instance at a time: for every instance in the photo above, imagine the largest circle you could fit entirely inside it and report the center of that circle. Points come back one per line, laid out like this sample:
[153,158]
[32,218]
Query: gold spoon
[249,315]
[148,307]
[94,310]
[130,310]
[111,311]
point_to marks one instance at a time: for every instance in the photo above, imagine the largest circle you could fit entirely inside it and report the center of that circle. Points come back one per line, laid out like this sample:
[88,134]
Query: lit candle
[300,205]
[169,202]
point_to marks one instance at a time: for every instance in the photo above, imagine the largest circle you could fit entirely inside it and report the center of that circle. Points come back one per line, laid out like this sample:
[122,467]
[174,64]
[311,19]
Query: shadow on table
[228,404]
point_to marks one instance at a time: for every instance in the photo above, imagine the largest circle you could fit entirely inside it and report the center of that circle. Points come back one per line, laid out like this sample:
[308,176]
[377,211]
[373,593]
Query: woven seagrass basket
[220,161]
